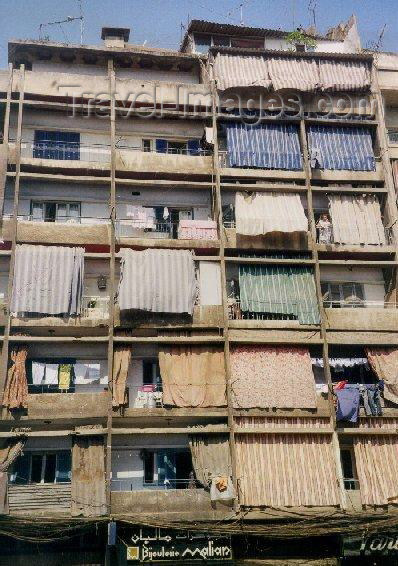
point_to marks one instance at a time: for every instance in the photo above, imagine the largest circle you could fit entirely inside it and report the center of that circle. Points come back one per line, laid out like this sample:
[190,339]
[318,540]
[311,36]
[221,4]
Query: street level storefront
[375,549]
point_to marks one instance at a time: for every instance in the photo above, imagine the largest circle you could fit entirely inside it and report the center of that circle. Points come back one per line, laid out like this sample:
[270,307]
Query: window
[55,211]
[202,43]
[342,295]
[176,147]
[56,145]
[348,466]
[42,467]
[149,466]
[146,145]
[248,43]
[151,373]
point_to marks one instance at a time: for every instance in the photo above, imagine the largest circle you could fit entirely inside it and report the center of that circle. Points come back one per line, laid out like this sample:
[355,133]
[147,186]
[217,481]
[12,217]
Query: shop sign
[163,545]
[380,544]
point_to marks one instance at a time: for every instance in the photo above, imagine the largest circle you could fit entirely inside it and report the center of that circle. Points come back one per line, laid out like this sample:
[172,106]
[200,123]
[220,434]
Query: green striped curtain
[279,289]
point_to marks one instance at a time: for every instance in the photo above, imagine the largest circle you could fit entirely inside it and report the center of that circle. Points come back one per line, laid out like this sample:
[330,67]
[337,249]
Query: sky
[160,23]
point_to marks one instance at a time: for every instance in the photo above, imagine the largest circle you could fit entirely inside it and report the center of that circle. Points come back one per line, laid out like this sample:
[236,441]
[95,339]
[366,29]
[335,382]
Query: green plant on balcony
[298,37]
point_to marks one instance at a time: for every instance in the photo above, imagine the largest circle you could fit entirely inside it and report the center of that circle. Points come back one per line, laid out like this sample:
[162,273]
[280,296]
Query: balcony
[227,170]
[78,156]
[186,504]
[387,247]
[76,230]
[39,499]
[361,315]
[272,241]
[94,312]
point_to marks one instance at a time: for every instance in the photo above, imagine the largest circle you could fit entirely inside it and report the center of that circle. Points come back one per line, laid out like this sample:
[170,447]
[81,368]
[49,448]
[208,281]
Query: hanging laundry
[341,384]
[64,376]
[348,403]
[166,213]
[38,369]
[51,374]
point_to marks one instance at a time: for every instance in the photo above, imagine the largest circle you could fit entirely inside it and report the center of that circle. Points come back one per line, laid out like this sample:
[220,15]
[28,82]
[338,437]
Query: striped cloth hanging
[339,147]
[279,289]
[266,146]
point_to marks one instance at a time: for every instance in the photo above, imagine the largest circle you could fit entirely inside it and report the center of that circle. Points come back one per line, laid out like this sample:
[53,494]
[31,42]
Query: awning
[157,281]
[376,459]
[48,280]
[337,76]
[341,148]
[267,146]
[356,219]
[210,456]
[280,290]
[263,213]
[282,470]
[290,73]
[234,71]
[272,377]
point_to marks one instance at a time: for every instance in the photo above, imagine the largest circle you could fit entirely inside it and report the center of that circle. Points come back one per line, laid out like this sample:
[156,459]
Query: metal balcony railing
[355,303]
[388,233]
[132,228]
[235,312]
[132,485]
[101,153]
[54,388]
[59,219]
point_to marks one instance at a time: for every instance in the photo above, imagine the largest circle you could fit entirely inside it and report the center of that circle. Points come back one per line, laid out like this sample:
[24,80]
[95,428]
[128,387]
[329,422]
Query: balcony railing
[132,485]
[356,303]
[235,312]
[59,219]
[54,388]
[100,153]
[131,228]
[388,233]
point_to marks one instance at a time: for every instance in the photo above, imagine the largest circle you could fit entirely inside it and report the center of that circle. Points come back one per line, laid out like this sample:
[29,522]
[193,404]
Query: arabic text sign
[161,545]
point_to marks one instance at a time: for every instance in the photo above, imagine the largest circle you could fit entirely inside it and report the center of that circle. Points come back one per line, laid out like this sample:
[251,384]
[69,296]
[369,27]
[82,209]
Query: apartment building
[198,273]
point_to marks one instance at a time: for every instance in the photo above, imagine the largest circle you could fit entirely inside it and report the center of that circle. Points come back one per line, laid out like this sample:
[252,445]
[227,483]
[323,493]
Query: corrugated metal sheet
[279,289]
[54,498]
[298,74]
[48,280]
[282,422]
[282,470]
[344,75]
[264,213]
[376,460]
[233,71]
[266,146]
[157,281]
[341,148]
[356,219]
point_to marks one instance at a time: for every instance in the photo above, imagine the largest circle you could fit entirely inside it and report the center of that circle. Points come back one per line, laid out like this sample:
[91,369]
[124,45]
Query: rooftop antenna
[312,6]
[241,13]
[67,20]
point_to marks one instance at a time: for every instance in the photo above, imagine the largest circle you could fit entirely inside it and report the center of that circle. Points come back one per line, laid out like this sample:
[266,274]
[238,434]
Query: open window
[347,457]
[55,211]
[42,467]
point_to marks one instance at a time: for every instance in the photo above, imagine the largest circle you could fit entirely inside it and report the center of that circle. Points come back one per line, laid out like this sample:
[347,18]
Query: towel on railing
[197,230]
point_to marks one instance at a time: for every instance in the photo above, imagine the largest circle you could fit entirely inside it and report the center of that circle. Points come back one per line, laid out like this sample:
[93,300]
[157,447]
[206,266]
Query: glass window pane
[37,210]
[149,460]
[64,465]
[61,212]
[37,462]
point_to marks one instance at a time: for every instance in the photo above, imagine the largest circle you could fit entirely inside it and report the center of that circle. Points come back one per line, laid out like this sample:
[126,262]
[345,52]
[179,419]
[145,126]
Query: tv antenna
[67,20]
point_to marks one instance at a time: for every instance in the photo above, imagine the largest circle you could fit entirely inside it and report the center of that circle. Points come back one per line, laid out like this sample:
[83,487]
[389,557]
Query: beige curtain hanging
[376,460]
[356,219]
[193,376]
[384,362]
[88,477]
[260,214]
[210,456]
[121,364]
[16,388]
[282,470]
[10,450]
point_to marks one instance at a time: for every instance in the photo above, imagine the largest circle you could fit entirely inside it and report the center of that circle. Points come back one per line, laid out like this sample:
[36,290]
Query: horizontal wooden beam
[279,430]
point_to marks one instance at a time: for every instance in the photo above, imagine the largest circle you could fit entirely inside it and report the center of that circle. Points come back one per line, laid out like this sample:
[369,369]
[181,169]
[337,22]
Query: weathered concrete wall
[184,503]
[362,319]
[162,163]
[65,406]
[62,233]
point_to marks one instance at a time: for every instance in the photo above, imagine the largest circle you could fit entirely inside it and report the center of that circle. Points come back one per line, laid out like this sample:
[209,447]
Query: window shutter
[161,146]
